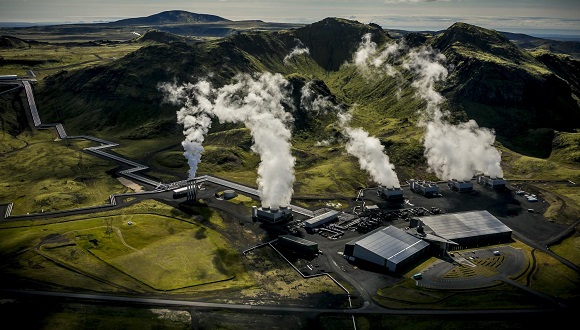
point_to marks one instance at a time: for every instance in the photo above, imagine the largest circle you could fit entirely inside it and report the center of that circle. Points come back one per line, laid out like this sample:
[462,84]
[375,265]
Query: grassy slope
[119,258]
[47,175]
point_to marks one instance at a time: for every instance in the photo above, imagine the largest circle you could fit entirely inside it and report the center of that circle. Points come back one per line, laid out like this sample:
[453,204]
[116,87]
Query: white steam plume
[370,153]
[452,151]
[300,49]
[195,122]
[258,103]
[312,101]
[367,149]
[374,63]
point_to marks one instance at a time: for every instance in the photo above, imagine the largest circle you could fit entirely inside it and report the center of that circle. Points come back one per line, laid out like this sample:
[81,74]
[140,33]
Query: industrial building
[389,247]
[189,191]
[460,185]
[393,194]
[297,244]
[465,229]
[272,215]
[394,248]
[320,220]
[487,181]
[425,188]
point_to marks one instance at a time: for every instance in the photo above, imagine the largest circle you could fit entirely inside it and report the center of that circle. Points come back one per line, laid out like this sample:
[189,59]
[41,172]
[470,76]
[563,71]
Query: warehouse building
[389,247]
[320,220]
[395,249]
[297,245]
[467,229]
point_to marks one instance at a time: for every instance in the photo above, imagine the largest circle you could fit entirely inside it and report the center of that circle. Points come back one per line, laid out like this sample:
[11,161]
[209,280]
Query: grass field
[130,250]
[47,59]
[46,175]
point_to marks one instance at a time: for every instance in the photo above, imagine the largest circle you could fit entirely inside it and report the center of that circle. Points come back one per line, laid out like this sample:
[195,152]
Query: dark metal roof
[298,240]
[392,243]
[465,224]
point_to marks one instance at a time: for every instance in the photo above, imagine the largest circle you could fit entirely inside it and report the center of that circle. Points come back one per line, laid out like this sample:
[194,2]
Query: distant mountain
[531,43]
[170,17]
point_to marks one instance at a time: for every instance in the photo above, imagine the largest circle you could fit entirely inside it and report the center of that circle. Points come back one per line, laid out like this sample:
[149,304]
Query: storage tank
[229,194]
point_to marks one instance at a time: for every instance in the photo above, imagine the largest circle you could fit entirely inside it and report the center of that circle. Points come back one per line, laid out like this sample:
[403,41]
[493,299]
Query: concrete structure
[467,229]
[425,188]
[460,186]
[272,215]
[393,194]
[297,244]
[487,181]
[388,247]
[320,220]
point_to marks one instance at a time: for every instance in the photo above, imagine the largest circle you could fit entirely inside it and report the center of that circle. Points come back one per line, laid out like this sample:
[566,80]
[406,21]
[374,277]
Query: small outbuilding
[298,244]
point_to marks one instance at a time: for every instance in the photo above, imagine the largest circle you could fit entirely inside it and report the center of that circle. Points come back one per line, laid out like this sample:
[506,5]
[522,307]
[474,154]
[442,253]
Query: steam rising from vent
[367,149]
[452,151]
[370,61]
[370,153]
[300,49]
[195,122]
[259,103]
[312,101]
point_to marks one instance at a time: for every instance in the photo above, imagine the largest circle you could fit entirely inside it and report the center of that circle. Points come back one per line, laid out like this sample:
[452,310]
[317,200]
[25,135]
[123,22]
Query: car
[496,253]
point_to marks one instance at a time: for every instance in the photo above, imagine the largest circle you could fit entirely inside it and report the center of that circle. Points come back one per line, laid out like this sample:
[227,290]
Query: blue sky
[526,16]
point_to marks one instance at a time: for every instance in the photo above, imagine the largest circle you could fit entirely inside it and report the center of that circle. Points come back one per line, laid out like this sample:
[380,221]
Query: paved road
[260,308]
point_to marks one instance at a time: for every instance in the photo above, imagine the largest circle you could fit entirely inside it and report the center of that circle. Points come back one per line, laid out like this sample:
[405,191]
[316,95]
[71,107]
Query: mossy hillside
[12,117]
[45,175]
[125,94]
[566,148]
[46,59]
[115,248]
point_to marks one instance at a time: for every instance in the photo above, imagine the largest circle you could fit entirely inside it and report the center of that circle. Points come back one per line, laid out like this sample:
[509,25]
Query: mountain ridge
[491,80]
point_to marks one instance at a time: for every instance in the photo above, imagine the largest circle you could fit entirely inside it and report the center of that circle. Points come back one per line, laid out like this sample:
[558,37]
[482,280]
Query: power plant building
[425,188]
[460,186]
[467,229]
[297,244]
[391,194]
[320,220]
[272,215]
[390,247]
[487,181]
